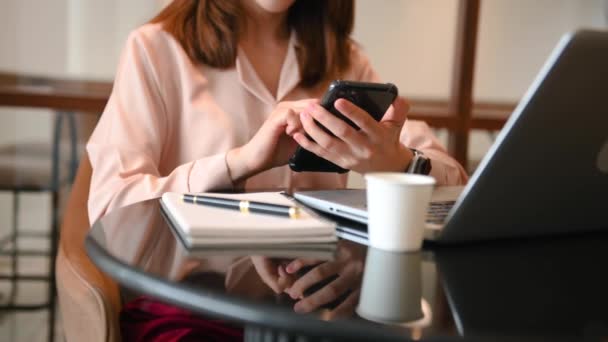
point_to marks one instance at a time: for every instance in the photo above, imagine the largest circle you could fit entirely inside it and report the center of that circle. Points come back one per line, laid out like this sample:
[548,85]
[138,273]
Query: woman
[216,95]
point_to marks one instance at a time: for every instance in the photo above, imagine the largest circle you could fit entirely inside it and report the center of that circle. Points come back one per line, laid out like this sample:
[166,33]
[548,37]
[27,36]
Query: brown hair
[208,31]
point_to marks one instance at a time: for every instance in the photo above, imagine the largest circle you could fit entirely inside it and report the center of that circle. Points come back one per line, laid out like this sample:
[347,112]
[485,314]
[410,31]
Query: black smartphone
[374,98]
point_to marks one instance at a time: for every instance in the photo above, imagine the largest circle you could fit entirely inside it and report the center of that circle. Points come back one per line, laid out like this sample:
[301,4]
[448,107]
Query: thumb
[397,112]
[292,122]
[396,115]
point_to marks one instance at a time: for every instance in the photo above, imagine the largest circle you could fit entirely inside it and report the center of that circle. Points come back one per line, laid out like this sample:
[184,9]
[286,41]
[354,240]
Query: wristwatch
[420,164]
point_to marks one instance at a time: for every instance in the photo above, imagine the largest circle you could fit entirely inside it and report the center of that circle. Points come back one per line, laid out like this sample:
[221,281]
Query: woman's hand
[375,147]
[272,145]
[346,271]
[272,273]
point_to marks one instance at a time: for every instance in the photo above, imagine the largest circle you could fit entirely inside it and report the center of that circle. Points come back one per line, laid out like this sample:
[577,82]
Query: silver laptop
[546,173]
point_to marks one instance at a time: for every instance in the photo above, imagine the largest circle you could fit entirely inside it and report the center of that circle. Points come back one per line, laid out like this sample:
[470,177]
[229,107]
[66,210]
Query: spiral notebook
[202,225]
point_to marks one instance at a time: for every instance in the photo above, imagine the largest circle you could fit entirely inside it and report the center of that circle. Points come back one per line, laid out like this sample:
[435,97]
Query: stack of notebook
[207,225]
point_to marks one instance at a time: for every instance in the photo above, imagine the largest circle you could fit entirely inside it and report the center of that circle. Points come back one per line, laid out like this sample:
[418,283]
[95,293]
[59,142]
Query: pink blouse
[169,123]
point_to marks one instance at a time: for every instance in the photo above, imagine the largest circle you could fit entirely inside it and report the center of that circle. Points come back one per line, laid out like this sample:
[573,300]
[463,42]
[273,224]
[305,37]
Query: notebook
[315,251]
[202,225]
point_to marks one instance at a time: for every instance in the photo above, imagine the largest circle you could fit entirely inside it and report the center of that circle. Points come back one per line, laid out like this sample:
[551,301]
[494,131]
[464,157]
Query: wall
[73,38]
[516,36]
[411,41]
[97,33]
[31,40]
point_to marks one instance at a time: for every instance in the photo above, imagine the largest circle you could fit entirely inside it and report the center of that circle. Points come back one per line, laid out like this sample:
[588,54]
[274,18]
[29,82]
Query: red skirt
[145,319]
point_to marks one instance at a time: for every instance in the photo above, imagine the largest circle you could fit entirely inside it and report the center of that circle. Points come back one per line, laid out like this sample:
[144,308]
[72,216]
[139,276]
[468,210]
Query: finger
[397,112]
[298,264]
[320,136]
[292,121]
[289,115]
[285,279]
[336,126]
[295,131]
[403,104]
[318,150]
[301,105]
[307,102]
[395,117]
[282,272]
[313,147]
[346,308]
[360,117]
[317,274]
[327,294]
[355,144]
[266,270]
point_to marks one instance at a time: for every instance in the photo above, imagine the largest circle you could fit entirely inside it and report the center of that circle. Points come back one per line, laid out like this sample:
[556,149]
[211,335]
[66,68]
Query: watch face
[420,164]
[426,169]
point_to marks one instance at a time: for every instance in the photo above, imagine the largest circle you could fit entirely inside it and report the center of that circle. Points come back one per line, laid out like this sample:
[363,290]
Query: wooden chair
[88,299]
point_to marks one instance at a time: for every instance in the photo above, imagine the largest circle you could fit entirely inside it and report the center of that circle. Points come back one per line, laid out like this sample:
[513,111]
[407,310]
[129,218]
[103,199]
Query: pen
[244,206]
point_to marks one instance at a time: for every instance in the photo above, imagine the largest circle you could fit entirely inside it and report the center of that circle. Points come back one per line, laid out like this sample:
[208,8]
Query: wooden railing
[58,94]
[92,96]
[485,115]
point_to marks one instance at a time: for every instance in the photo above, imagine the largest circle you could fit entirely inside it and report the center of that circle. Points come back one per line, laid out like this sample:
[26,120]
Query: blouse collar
[289,77]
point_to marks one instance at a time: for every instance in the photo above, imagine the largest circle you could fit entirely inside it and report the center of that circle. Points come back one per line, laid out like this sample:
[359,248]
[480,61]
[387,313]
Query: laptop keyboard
[438,211]
[436,214]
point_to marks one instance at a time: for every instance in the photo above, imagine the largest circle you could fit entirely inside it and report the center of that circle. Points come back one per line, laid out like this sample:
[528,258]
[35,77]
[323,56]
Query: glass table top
[537,288]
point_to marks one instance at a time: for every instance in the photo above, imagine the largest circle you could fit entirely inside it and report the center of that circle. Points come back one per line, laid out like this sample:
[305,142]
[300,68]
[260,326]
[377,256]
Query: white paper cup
[397,205]
[391,292]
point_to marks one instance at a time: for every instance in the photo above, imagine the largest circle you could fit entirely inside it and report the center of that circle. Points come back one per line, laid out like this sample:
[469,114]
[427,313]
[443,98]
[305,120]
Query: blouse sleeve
[418,135]
[126,147]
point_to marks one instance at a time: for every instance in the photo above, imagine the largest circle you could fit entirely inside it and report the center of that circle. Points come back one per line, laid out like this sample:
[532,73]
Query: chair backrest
[89,300]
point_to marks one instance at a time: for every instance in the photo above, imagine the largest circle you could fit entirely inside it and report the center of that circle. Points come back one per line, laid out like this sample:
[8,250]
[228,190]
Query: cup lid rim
[422,321]
[384,320]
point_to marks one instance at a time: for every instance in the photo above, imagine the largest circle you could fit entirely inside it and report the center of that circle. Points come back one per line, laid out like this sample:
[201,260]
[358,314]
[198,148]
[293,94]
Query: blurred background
[71,48]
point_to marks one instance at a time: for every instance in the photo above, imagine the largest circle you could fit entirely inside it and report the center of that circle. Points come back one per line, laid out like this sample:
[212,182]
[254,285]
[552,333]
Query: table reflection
[546,287]
[532,288]
[392,287]
[324,279]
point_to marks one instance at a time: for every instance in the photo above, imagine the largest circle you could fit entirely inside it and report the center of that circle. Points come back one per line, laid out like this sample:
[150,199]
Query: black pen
[244,206]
